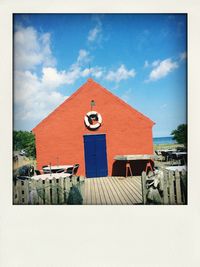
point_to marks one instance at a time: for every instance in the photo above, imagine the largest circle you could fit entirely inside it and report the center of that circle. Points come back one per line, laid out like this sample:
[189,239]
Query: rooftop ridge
[91,81]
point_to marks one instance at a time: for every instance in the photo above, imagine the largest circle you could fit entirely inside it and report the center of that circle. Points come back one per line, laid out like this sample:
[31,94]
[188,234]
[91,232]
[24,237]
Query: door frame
[106,158]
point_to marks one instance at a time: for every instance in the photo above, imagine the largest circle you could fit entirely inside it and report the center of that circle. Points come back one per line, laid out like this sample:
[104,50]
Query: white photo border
[98,235]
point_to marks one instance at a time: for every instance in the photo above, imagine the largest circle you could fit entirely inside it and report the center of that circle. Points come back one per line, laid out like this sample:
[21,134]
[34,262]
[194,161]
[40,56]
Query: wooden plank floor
[112,191]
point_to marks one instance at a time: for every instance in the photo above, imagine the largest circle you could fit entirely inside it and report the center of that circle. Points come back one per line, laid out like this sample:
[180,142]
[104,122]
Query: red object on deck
[148,166]
[59,137]
[128,169]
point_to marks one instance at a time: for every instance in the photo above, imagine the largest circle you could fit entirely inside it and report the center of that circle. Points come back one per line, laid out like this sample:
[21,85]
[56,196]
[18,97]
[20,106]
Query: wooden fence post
[26,191]
[178,187]
[165,188]
[171,188]
[74,180]
[40,190]
[144,187]
[33,192]
[61,191]
[17,192]
[54,191]
[47,192]
[82,186]
[67,186]
[184,185]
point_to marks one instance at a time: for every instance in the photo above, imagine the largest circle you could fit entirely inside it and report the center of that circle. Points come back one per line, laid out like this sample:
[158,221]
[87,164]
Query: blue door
[95,155]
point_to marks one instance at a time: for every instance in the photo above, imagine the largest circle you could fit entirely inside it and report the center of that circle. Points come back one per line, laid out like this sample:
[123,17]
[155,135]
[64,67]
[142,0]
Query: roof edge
[66,100]
[90,80]
[125,104]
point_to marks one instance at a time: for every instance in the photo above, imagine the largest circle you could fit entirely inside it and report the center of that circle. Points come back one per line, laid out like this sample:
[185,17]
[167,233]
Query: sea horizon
[163,140]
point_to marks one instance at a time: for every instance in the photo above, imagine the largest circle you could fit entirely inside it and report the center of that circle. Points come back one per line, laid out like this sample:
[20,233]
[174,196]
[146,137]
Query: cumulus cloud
[33,98]
[52,78]
[155,63]
[96,72]
[83,57]
[31,49]
[95,34]
[37,80]
[34,95]
[120,74]
[162,69]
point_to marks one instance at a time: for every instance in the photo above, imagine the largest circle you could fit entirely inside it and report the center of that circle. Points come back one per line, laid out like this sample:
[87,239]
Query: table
[182,156]
[166,150]
[55,168]
[179,153]
[134,157]
[166,153]
[178,168]
[51,176]
[129,158]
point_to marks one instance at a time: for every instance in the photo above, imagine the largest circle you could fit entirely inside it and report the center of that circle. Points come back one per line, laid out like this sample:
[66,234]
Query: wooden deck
[112,191]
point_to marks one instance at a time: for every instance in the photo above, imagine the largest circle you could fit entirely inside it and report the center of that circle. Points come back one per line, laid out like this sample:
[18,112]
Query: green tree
[24,140]
[180,134]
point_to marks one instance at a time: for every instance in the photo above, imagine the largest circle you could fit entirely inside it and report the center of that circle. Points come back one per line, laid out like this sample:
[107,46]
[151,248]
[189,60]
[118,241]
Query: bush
[180,134]
[24,140]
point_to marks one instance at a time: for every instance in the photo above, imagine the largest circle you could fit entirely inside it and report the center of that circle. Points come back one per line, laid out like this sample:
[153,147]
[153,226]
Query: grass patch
[167,146]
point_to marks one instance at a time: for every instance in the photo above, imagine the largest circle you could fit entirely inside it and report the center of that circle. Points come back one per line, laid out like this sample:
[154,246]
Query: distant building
[74,133]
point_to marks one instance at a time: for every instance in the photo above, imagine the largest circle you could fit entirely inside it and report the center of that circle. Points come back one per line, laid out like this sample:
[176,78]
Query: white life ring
[87,122]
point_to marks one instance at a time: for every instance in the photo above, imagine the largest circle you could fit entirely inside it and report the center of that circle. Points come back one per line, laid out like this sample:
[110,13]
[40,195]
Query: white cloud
[162,69]
[83,57]
[52,78]
[33,98]
[85,72]
[37,81]
[120,74]
[95,34]
[183,56]
[155,63]
[96,72]
[31,49]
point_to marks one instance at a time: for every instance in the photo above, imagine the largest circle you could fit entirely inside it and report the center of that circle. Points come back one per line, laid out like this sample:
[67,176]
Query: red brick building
[71,135]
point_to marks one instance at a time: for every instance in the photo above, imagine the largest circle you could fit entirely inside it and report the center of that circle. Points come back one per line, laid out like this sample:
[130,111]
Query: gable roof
[91,83]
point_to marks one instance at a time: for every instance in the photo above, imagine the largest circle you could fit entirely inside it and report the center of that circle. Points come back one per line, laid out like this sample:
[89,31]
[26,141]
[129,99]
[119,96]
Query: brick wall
[59,137]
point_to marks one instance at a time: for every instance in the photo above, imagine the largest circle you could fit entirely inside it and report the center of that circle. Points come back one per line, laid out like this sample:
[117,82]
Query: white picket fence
[43,192]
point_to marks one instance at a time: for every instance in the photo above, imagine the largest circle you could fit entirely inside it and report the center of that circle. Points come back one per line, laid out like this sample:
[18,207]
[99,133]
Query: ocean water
[163,140]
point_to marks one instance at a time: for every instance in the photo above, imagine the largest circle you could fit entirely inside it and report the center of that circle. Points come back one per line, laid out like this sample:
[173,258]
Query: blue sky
[139,57]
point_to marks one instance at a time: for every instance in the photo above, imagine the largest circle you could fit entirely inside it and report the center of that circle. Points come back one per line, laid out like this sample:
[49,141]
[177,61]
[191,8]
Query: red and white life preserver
[88,117]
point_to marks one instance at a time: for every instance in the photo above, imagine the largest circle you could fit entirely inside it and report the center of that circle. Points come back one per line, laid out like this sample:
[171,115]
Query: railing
[171,189]
[49,191]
